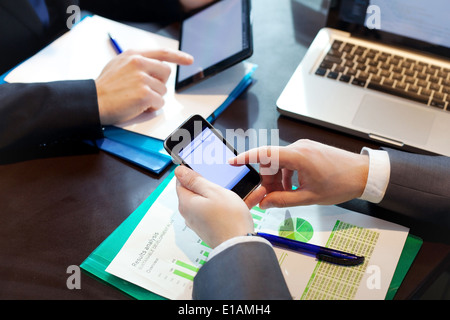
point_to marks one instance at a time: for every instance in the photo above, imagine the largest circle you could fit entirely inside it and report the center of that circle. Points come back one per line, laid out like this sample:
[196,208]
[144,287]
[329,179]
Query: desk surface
[57,209]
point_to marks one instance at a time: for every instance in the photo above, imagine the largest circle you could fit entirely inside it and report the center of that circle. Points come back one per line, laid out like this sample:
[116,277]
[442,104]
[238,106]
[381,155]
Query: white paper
[378,269]
[83,52]
[163,255]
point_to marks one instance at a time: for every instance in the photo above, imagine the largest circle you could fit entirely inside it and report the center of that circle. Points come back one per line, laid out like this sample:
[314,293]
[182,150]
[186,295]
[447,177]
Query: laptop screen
[416,24]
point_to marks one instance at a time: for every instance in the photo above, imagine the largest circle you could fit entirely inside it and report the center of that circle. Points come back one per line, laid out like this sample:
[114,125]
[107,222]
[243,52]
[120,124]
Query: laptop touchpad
[401,121]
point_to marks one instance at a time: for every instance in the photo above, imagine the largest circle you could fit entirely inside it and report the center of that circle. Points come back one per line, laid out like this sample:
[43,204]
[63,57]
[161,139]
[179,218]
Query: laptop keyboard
[381,71]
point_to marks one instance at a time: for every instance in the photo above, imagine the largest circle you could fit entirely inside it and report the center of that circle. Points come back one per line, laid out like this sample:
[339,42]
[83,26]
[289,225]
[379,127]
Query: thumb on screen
[192,181]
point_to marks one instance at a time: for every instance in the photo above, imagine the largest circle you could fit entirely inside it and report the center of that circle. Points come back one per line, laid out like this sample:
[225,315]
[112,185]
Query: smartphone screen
[208,155]
[199,146]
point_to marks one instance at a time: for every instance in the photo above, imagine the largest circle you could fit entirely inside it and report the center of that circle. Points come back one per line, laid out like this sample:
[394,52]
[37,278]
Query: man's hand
[135,82]
[214,213]
[326,175]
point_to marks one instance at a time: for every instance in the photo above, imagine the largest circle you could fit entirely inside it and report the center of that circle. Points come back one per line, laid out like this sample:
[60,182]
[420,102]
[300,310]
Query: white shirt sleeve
[233,241]
[379,175]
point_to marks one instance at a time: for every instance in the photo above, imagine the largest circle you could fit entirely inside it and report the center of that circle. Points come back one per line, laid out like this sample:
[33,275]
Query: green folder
[99,260]
[409,253]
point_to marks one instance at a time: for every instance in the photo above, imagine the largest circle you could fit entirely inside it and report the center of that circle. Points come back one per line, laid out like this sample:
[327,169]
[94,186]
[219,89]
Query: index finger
[169,55]
[257,155]
[267,156]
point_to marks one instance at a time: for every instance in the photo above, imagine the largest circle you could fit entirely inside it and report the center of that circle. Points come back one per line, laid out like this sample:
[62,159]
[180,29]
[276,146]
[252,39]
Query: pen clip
[341,261]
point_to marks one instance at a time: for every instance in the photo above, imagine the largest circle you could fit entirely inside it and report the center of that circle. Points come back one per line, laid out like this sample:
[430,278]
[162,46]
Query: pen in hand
[115,44]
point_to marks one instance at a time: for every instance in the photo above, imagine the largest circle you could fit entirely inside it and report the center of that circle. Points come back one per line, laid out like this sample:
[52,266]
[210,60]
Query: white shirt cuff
[233,241]
[379,175]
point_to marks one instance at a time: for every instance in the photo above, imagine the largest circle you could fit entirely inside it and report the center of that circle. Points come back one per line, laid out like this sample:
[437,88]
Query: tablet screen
[217,37]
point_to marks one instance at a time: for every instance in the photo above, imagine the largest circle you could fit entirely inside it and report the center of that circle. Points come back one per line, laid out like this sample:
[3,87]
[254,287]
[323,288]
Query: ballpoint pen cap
[340,261]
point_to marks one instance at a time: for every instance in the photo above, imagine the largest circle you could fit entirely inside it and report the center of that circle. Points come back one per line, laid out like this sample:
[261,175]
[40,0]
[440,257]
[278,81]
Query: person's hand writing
[214,213]
[326,175]
[135,82]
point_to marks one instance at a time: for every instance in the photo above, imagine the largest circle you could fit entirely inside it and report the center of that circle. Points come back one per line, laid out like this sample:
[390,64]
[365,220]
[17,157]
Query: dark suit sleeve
[161,11]
[245,271]
[419,187]
[44,113]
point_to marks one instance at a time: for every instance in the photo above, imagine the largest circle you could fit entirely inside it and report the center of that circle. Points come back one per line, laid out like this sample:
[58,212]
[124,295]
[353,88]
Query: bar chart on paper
[162,255]
[336,228]
[188,271]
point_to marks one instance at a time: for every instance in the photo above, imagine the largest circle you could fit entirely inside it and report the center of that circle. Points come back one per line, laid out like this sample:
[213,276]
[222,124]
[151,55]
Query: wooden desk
[55,211]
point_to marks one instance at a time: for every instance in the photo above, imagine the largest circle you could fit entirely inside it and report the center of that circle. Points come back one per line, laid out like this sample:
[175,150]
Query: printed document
[163,255]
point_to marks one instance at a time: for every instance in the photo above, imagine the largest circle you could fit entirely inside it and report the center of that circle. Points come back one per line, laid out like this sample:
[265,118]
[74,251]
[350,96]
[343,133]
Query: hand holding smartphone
[197,145]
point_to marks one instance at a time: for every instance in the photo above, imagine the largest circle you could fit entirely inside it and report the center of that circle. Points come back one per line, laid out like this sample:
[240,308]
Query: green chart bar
[256,217]
[184,275]
[259,209]
[204,244]
[187,266]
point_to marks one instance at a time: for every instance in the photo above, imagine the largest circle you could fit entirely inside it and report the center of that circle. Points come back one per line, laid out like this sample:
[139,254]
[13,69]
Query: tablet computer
[218,37]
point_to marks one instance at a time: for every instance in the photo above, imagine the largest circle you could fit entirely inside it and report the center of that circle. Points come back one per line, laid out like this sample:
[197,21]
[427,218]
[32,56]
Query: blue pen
[115,44]
[321,253]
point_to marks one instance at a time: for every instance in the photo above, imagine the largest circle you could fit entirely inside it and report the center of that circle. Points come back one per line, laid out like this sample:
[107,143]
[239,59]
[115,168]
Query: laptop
[380,69]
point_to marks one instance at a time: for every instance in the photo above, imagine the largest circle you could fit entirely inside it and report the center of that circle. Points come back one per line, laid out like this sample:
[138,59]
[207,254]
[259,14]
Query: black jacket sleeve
[43,113]
[161,11]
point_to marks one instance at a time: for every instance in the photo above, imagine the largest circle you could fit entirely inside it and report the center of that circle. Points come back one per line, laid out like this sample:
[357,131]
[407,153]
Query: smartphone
[197,145]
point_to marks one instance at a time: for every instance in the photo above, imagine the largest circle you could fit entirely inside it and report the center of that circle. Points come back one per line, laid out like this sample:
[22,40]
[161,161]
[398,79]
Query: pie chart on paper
[296,229]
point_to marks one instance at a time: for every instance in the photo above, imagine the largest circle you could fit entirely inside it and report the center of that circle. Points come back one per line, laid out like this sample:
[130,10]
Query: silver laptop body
[346,80]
